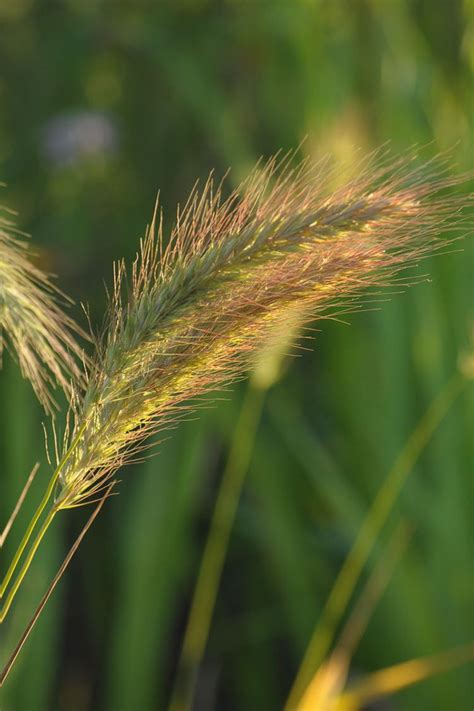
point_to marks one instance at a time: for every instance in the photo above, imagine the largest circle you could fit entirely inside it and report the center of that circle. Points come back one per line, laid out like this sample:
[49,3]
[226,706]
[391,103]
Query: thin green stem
[28,560]
[331,677]
[210,572]
[18,505]
[28,534]
[349,574]
[34,521]
[8,666]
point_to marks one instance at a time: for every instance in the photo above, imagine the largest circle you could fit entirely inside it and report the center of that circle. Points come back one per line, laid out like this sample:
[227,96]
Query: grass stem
[31,527]
[18,505]
[28,560]
[210,572]
[349,574]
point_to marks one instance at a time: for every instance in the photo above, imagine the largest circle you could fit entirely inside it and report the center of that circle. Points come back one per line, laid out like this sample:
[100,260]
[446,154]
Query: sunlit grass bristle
[194,312]
[33,324]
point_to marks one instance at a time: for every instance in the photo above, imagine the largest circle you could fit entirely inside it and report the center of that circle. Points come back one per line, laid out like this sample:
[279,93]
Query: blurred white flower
[68,138]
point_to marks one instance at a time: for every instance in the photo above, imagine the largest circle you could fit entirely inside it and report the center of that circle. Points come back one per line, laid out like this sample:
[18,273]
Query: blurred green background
[101,105]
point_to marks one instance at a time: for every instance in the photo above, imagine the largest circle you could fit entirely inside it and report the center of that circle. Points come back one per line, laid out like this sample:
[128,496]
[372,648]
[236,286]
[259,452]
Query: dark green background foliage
[169,90]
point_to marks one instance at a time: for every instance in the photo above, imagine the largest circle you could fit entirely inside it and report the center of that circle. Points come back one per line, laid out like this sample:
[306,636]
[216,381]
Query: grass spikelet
[31,319]
[193,313]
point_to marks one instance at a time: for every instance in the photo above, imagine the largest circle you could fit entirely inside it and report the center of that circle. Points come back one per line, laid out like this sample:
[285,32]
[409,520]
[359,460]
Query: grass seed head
[33,324]
[193,313]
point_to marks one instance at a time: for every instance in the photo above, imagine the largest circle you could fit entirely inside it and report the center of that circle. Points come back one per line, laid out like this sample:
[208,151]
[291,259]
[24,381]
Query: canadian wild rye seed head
[193,312]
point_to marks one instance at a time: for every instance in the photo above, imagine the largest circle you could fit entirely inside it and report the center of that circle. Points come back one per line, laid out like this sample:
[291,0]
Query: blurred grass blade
[349,574]
[316,461]
[210,571]
[161,511]
[330,678]
[362,611]
[399,676]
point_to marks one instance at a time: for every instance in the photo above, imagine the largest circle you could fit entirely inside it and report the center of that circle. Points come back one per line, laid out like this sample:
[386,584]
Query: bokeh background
[104,103]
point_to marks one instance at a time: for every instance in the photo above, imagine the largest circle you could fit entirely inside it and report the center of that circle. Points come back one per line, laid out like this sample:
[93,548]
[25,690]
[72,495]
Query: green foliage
[185,87]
